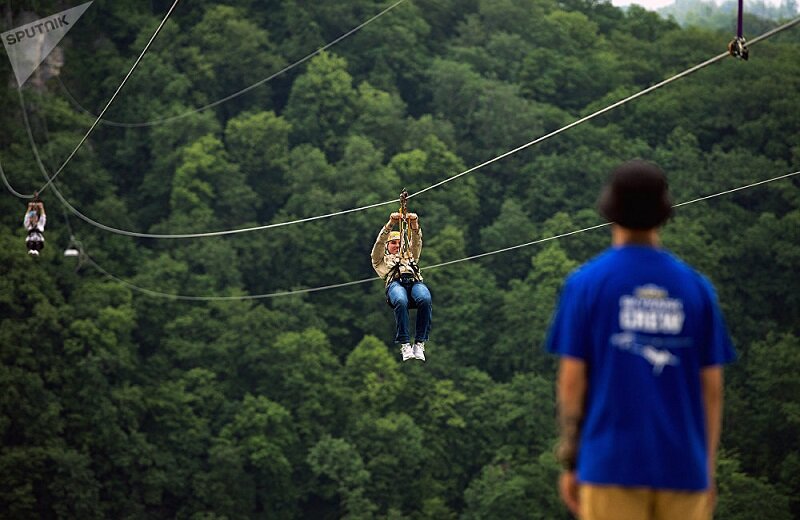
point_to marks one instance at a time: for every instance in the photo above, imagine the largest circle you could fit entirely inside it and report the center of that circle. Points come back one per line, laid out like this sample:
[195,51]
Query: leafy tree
[393,450]
[372,377]
[321,105]
[768,410]
[511,227]
[228,52]
[168,142]
[511,489]
[206,183]
[380,118]
[464,300]
[339,462]
[526,311]
[298,371]
[259,144]
[743,496]
[399,66]
[259,436]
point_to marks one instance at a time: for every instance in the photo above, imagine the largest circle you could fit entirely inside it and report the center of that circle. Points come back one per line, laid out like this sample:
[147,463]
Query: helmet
[394,235]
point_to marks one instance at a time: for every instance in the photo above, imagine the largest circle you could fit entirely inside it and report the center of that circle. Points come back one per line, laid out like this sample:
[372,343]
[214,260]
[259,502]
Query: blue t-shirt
[645,323]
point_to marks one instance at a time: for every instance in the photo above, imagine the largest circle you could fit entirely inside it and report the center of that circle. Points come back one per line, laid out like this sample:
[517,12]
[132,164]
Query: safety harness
[34,235]
[405,240]
[405,246]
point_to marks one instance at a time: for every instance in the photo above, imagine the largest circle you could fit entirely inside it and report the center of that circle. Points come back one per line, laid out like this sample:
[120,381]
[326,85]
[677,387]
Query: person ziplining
[34,222]
[394,257]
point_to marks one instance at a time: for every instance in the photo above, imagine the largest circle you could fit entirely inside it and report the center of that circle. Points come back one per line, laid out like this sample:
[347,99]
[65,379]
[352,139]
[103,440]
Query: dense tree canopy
[121,404]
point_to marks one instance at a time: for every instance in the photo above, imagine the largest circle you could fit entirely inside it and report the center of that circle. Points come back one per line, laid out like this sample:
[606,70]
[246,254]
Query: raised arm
[379,247]
[416,236]
[42,221]
[27,218]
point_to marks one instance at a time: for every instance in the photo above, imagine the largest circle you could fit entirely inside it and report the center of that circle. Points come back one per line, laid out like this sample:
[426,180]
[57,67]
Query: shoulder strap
[394,272]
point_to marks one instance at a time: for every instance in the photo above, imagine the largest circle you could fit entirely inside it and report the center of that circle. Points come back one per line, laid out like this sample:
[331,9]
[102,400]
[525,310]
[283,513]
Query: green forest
[724,15]
[121,402]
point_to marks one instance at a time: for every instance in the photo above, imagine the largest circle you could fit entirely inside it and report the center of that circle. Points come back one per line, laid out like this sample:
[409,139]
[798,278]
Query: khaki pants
[620,503]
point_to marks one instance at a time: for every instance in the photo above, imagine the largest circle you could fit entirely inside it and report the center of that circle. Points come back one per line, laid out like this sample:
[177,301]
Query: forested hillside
[724,15]
[119,403]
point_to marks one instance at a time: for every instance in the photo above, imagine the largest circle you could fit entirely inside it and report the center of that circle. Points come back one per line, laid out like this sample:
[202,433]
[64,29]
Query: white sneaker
[419,350]
[406,351]
[33,252]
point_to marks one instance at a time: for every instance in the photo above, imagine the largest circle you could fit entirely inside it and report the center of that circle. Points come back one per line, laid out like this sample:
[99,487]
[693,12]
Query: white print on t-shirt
[626,341]
[651,310]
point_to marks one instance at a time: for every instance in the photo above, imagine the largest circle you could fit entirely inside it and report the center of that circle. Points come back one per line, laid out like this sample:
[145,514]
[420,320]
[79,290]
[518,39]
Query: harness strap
[34,230]
[394,273]
[738,46]
[739,24]
[405,241]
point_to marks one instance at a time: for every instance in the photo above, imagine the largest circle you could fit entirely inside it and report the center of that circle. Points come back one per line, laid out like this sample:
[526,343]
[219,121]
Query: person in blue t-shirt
[641,341]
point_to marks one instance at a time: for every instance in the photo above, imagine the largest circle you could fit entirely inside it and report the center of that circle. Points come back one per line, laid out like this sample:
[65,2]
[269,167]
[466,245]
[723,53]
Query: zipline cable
[238,93]
[606,109]
[159,294]
[775,31]
[136,234]
[590,228]
[9,187]
[726,192]
[113,97]
[395,201]
[355,282]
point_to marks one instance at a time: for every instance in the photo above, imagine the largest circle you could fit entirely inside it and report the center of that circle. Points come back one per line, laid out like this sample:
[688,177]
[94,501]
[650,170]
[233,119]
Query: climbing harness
[34,240]
[405,252]
[738,46]
[405,235]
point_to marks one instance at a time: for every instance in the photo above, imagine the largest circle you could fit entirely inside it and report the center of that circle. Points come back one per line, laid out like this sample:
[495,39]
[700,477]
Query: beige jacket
[383,262]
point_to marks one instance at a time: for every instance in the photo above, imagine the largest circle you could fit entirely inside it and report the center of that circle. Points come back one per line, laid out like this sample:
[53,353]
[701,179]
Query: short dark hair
[636,196]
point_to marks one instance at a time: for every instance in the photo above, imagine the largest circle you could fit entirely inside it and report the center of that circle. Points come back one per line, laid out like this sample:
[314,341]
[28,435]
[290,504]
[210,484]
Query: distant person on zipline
[641,341]
[34,222]
[394,257]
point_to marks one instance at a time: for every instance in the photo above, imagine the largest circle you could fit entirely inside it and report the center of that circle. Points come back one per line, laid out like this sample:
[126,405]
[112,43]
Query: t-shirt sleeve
[568,334]
[718,347]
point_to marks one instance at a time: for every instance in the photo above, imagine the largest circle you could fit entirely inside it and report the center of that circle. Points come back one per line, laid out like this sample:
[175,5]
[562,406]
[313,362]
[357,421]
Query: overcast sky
[657,4]
[648,4]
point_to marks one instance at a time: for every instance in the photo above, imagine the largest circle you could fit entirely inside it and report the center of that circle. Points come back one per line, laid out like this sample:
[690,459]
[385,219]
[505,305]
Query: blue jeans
[399,293]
